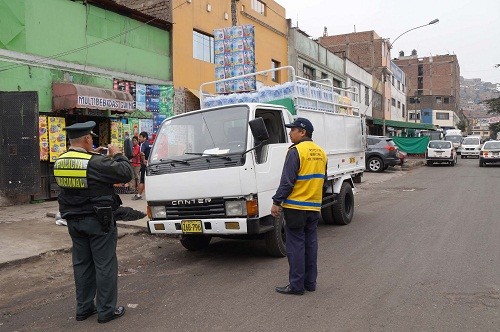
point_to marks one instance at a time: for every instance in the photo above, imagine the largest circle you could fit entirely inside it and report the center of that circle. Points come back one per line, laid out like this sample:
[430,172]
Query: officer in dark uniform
[300,195]
[87,201]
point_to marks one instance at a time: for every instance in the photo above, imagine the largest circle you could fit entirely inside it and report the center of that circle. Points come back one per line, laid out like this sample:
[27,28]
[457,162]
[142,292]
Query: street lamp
[434,21]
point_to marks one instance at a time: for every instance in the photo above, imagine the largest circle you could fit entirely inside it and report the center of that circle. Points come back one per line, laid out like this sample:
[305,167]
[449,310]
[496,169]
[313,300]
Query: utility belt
[103,214]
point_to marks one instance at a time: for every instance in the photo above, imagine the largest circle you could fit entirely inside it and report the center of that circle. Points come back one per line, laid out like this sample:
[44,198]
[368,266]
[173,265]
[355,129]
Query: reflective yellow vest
[70,170]
[308,189]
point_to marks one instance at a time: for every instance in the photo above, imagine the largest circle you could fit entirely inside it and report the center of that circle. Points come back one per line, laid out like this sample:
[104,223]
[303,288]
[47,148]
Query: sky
[468,29]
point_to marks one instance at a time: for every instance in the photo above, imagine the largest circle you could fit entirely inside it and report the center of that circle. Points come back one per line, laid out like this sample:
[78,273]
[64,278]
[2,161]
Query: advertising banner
[43,135]
[166,106]
[146,125]
[140,97]
[57,137]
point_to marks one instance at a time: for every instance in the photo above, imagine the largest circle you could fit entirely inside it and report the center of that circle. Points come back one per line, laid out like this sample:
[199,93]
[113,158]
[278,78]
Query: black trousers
[95,266]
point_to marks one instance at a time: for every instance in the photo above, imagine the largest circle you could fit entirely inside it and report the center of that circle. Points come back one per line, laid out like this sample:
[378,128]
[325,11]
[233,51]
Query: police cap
[301,123]
[80,129]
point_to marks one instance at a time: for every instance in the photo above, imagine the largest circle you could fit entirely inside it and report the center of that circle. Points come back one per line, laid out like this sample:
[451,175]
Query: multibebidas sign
[97,102]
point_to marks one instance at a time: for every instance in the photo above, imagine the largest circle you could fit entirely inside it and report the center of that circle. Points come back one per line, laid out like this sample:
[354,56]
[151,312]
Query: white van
[471,146]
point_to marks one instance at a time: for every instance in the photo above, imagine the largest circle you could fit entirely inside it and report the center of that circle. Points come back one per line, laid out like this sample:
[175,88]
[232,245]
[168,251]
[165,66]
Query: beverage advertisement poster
[166,105]
[57,137]
[116,132]
[147,126]
[43,135]
[140,97]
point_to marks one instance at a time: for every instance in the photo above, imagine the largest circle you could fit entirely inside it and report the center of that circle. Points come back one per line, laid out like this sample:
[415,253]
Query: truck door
[271,156]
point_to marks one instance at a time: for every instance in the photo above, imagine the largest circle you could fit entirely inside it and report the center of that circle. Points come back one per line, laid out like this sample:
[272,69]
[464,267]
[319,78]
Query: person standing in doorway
[135,160]
[87,201]
[299,196]
[145,149]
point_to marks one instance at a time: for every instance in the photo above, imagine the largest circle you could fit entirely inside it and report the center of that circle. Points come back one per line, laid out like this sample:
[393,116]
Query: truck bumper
[213,227]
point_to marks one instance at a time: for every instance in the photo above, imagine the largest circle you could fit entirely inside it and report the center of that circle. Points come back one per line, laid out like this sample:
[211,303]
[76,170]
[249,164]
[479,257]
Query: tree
[494,105]
[494,129]
[462,125]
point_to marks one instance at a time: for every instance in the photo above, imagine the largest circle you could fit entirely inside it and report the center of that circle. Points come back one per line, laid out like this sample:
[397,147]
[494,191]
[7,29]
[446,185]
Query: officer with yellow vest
[299,195]
[87,201]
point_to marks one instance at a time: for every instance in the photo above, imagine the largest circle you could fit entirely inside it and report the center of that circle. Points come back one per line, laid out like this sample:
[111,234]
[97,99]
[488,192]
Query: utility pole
[234,17]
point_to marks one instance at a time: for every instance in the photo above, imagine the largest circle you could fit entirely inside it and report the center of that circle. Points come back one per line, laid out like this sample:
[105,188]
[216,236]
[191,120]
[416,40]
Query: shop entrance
[19,144]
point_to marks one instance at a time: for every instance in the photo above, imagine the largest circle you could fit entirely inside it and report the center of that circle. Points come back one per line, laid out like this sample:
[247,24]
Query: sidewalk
[26,232]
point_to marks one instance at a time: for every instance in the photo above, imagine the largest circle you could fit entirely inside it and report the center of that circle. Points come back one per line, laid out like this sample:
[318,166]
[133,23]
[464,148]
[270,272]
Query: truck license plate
[191,226]
[352,160]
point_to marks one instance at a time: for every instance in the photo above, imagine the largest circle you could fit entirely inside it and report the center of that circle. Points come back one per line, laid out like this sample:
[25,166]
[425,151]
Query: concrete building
[362,80]
[433,88]
[372,53]
[193,42]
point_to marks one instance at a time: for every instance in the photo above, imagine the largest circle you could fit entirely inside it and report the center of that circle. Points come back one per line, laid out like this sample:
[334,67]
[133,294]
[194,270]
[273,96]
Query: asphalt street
[422,254]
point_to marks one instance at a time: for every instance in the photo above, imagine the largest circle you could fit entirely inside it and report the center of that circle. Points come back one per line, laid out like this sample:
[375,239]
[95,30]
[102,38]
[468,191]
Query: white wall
[357,74]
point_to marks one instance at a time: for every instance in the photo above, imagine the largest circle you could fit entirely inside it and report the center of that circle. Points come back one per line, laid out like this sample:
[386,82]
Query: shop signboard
[104,103]
[57,137]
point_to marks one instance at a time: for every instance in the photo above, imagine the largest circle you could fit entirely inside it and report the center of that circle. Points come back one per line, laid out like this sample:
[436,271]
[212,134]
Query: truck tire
[195,242]
[375,164]
[327,215]
[275,239]
[343,209]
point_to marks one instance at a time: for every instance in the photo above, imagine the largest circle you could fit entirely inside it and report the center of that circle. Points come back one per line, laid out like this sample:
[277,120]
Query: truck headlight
[158,212]
[236,208]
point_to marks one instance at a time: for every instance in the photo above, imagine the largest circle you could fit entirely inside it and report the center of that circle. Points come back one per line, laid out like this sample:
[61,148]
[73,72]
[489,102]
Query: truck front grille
[215,208]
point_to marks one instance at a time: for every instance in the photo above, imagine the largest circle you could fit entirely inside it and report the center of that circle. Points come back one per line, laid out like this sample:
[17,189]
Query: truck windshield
[453,138]
[214,132]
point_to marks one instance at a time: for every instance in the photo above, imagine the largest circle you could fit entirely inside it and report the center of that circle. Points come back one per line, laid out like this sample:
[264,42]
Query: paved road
[422,254]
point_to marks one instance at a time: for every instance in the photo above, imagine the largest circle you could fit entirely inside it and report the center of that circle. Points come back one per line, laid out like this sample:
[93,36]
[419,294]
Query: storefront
[113,111]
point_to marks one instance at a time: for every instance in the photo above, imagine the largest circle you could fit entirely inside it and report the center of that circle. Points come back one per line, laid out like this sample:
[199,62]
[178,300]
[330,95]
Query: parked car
[490,153]
[440,152]
[471,146]
[381,152]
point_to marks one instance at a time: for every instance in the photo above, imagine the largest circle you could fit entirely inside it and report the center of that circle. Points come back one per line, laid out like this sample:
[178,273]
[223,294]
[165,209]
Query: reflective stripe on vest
[308,189]
[70,170]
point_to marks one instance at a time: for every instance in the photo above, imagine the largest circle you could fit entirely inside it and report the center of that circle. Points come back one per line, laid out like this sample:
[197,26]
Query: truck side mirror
[259,130]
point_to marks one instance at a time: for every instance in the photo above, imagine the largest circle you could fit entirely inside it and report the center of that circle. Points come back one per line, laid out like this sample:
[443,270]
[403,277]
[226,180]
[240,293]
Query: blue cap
[301,123]
[80,129]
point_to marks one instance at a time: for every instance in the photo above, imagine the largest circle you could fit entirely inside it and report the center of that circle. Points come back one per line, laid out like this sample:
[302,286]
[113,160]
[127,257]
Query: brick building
[433,88]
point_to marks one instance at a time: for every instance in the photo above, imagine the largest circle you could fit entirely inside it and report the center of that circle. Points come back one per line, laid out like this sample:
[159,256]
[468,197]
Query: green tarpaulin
[402,124]
[287,102]
[412,144]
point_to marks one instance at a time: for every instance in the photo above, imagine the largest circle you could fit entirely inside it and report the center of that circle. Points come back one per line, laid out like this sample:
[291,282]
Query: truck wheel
[275,239]
[195,242]
[375,164]
[343,209]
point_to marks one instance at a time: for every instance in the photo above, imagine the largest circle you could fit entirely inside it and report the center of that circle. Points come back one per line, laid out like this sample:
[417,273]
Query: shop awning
[402,124]
[68,96]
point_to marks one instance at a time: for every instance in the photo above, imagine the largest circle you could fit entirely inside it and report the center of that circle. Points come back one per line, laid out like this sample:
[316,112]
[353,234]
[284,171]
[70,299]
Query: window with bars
[367,96]
[309,73]
[442,116]
[203,47]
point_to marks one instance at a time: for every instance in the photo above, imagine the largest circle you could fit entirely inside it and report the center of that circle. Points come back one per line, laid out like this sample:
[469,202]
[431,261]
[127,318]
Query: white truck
[212,172]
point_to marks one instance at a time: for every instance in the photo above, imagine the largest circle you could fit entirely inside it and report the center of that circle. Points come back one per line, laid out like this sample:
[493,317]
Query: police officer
[87,201]
[299,195]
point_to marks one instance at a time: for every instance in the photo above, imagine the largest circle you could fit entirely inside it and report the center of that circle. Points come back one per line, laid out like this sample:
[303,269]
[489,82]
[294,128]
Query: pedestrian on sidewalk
[145,149]
[87,201]
[135,160]
[299,196]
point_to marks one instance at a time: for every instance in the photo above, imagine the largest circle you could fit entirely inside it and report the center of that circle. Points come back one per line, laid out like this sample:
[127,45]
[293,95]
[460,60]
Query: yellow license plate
[352,160]
[191,226]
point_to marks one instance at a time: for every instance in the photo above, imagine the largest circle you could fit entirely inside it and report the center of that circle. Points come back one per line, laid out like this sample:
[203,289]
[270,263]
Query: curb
[39,256]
